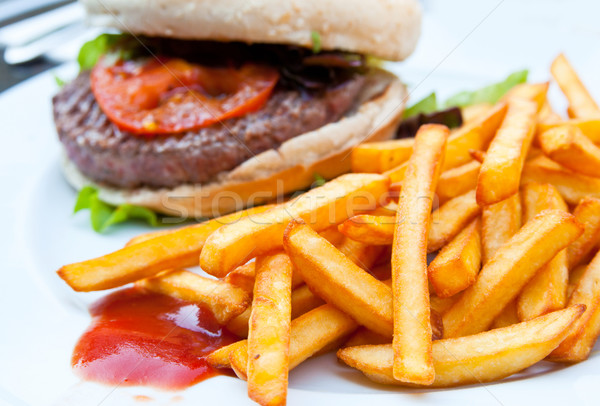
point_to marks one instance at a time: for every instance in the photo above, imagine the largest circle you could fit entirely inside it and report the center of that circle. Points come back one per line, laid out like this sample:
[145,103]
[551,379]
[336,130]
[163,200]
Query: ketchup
[143,338]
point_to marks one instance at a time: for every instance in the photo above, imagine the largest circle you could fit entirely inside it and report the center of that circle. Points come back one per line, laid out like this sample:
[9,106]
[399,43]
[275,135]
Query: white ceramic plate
[41,318]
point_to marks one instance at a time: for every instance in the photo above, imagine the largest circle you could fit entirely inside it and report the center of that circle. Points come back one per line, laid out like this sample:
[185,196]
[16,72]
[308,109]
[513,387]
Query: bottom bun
[273,174]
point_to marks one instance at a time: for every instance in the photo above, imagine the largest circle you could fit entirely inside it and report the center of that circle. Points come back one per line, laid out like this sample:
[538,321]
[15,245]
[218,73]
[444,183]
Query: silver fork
[34,37]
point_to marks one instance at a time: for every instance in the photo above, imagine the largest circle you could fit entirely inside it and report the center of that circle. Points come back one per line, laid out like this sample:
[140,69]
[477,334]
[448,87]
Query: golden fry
[363,255]
[547,116]
[547,290]
[220,358]
[500,172]
[474,111]
[335,278]
[450,218]
[368,229]
[269,330]
[332,276]
[224,300]
[364,336]
[581,103]
[243,276]
[441,305]
[175,249]
[474,359]
[378,157]
[472,136]
[446,222]
[535,92]
[589,127]
[513,265]
[321,207]
[572,186]
[303,301]
[499,222]
[568,146]
[456,266]
[574,278]
[587,213]
[581,339]
[310,333]
[412,321]
[507,317]
[476,135]
[457,181]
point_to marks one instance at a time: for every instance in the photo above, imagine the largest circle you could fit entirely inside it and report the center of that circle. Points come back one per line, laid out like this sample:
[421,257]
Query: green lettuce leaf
[319,180]
[92,50]
[316,41]
[59,81]
[103,215]
[424,106]
[488,94]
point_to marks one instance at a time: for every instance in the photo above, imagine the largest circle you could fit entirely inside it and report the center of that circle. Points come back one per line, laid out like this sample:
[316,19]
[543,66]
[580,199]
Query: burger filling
[166,112]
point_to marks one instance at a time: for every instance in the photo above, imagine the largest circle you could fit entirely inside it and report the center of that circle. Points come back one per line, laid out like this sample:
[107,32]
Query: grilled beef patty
[108,155]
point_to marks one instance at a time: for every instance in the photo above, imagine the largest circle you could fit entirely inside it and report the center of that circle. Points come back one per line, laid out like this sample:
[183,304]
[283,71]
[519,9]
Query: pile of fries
[510,202]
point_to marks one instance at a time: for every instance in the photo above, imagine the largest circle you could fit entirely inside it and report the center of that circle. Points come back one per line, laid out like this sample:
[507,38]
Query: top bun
[387,29]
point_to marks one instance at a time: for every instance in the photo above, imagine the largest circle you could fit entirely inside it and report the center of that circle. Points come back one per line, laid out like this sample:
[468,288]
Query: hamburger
[201,108]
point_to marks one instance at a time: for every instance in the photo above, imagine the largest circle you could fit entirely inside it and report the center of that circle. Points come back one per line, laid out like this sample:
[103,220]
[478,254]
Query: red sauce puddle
[142,338]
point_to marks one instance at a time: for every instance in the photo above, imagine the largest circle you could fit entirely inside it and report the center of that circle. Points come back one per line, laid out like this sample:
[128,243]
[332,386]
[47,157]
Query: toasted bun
[388,29]
[274,173]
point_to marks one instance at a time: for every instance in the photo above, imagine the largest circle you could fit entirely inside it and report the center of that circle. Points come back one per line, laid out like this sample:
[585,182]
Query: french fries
[483,357]
[547,290]
[581,103]
[224,300]
[333,235]
[368,229]
[574,277]
[500,172]
[243,276]
[176,249]
[572,186]
[441,305]
[588,127]
[412,320]
[457,181]
[547,116]
[332,276]
[474,111]
[450,218]
[269,331]
[378,157]
[364,336]
[474,135]
[302,298]
[446,223]
[336,279]
[535,92]
[579,343]
[499,222]
[310,333]
[302,301]
[220,358]
[321,207]
[507,317]
[361,254]
[345,264]
[513,265]
[587,213]
[455,267]
[568,146]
